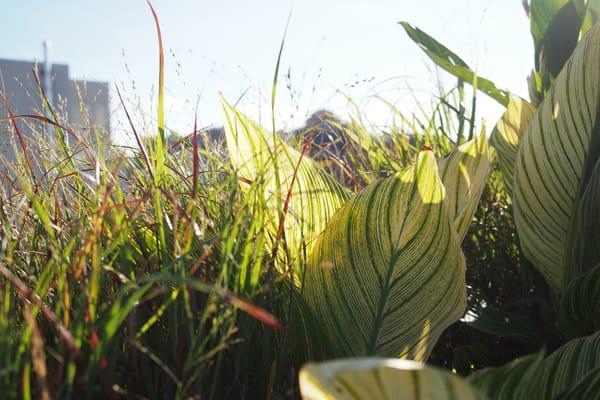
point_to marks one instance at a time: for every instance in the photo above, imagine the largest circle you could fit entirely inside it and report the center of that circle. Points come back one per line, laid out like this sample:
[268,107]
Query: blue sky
[231,46]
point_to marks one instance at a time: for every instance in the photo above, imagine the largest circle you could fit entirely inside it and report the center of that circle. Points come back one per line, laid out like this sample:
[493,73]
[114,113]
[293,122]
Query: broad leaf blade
[586,389]
[583,249]
[509,382]
[579,307]
[464,173]
[507,134]
[504,324]
[568,365]
[314,196]
[552,158]
[532,378]
[453,64]
[379,379]
[555,26]
[591,16]
[388,275]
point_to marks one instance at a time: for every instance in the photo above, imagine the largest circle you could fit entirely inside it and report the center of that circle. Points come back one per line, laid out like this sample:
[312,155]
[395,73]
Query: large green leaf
[464,175]
[264,160]
[453,64]
[564,368]
[591,16]
[379,379]
[555,26]
[587,388]
[584,234]
[579,307]
[569,372]
[504,324]
[388,275]
[507,134]
[551,161]
[509,382]
[531,378]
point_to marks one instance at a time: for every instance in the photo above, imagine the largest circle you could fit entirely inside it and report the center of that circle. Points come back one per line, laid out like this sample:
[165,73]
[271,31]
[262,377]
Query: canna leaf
[531,378]
[504,324]
[592,15]
[388,275]
[579,307]
[586,389]
[262,159]
[555,27]
[453,64]
[464,175]
[583,248]
[551,161]
[507,135]
[510,381]
[380,378]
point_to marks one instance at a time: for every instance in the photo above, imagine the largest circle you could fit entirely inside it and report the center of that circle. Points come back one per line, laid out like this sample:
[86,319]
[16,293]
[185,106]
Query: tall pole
[47,84]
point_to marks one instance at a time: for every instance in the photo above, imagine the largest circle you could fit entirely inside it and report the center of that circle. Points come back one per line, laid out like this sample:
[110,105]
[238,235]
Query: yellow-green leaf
[379,379]
[551,160]
[531,378]
[453,64]
[508,382]
[586,389]
[579,307]
[263,159]
[507,134]
[388,275]
[464,174]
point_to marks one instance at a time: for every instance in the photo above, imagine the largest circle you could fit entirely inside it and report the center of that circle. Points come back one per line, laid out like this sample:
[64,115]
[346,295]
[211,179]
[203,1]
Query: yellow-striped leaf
[508,382]
[564,368]
[552,158]
[531,378]
[262,158]
[388,275]
[587,388]
[379,379]
[464,174]
[583,248]
[453,64]
[579,307]
[555,27]
[507,134]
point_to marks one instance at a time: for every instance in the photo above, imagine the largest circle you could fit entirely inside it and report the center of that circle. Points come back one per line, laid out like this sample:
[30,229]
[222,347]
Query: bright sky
[231,46]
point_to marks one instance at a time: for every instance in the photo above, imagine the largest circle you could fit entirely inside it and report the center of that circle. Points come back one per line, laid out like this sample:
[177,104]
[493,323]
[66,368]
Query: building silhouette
[82,105]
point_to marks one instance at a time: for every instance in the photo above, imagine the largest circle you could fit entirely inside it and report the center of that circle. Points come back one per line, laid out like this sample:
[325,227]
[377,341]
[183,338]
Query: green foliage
[371,268]
[177,273]
[554,166]
[380,378]
[453,64]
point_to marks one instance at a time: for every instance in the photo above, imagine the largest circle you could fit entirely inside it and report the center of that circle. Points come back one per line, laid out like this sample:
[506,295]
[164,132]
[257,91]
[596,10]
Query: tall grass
[149,275]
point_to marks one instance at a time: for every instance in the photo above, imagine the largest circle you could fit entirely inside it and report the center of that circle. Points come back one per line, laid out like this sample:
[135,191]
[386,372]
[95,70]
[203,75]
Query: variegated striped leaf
[379,379]
[388,275]
[508,382]
[564,368]
[264,159]
[531,378]
[551,160]
[583,249]
[453,64]
[507,134]
[464,173]
[555,27]
[587,388]
[579,308]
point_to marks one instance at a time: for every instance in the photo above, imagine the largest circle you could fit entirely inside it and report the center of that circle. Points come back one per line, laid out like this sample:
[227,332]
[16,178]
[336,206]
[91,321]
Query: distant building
[83,105]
